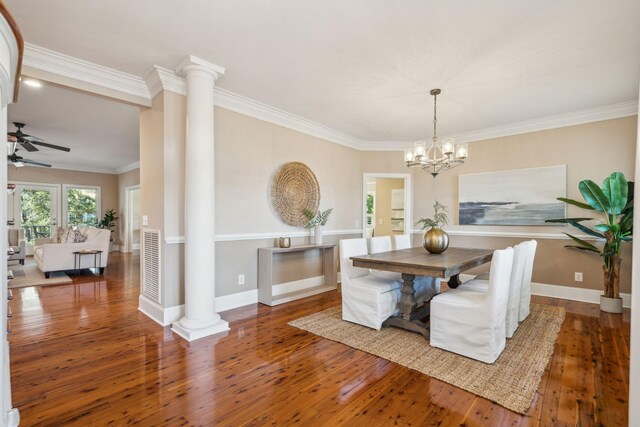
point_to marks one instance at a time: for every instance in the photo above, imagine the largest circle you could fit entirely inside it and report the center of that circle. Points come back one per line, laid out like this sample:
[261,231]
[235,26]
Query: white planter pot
[316,239]
[610,305]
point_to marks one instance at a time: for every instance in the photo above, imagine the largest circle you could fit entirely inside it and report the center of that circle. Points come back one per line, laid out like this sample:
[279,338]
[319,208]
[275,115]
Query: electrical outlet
[577,276]
[380,221]
[240,279]
[145,220]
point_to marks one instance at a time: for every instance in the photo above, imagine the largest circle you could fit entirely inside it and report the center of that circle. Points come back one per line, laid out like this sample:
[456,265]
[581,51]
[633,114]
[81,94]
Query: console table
[265,273]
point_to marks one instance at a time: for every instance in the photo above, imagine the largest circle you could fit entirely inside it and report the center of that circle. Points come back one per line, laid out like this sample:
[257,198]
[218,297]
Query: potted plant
[435,240]
[317,220]
[108,221]
[614,202]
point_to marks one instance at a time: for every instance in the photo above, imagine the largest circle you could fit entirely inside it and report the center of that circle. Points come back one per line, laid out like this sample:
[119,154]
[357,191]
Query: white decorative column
[200,317]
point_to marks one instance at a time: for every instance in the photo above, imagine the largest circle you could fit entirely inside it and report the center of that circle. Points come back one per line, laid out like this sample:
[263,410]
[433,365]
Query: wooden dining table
[418,262]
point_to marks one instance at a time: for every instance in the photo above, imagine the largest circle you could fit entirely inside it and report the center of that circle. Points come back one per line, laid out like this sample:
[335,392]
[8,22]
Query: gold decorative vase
[435,240]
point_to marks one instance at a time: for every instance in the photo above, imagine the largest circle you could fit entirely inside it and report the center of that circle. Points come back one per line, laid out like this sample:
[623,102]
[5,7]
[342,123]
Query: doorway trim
[408,198]
[128,244]
[56,199]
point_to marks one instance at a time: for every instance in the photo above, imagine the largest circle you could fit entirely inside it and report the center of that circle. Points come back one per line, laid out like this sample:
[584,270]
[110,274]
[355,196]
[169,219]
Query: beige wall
[248,152]
[108,184]
[126,179]
[158,166]
[592,151]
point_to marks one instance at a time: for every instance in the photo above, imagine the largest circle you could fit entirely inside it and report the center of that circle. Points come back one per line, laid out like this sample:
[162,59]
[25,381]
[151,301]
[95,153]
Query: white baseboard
[565,292]
[164,316]
[240,299]
[574,294]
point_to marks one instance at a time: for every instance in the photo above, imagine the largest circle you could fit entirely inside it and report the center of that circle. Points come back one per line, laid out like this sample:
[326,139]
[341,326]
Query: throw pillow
[59,235]
[74,236]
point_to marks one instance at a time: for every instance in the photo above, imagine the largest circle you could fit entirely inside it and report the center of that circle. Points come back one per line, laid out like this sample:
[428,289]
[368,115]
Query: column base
[191,334]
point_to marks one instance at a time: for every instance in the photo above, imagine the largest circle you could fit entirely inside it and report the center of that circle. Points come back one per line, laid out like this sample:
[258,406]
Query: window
[81,205]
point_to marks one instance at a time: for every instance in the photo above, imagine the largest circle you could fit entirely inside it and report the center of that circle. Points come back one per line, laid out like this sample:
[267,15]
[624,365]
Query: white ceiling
[365,67]
[103,134]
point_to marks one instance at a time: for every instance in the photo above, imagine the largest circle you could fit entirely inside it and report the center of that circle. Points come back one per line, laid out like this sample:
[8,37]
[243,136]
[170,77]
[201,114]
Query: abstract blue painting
[512,197]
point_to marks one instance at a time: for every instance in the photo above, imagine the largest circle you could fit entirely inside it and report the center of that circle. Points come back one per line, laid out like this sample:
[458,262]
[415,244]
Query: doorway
[386,204]
[132,219]
[34,208]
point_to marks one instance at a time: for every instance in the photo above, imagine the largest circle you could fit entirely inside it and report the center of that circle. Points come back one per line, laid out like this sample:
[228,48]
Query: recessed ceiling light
[33,83]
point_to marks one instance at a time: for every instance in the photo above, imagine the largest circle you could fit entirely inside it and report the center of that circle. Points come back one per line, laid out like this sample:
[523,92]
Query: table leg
[454,281]
[408,300]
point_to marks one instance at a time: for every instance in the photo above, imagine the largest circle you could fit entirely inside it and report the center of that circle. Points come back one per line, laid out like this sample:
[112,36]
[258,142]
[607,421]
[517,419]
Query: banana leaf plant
[614,202]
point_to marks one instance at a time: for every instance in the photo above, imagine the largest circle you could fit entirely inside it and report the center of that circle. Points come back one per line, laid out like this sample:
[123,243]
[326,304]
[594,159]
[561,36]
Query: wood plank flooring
[82,354]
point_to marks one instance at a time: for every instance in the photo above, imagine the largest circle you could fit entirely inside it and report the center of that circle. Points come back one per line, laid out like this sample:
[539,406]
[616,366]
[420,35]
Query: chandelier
[441,155]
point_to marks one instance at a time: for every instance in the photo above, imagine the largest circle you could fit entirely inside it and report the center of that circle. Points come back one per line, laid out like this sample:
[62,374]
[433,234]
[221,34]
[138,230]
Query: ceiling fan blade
[55,147]
[31,162]
[27,146]
[31,138]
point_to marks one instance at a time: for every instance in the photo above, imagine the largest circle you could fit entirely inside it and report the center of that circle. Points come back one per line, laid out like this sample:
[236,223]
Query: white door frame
[408,198]
[55,201]
[128,221]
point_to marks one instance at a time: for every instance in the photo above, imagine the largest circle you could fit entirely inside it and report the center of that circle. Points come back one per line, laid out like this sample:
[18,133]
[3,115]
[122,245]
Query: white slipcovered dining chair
[367,299]
[525,295]
[425,286]
[379,244]
[473,323]
[402,241]
[520,252]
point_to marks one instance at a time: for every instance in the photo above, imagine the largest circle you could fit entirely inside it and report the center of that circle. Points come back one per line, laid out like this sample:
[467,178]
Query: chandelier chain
[435,119]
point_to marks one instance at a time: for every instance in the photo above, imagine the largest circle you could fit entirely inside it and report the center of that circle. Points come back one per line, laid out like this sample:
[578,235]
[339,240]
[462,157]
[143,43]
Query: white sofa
[60,256]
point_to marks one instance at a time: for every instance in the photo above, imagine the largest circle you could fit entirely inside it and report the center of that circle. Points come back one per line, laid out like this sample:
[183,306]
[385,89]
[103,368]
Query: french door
[36,210]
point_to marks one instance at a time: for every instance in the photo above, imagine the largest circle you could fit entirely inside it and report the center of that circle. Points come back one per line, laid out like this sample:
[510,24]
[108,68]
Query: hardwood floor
[81,354]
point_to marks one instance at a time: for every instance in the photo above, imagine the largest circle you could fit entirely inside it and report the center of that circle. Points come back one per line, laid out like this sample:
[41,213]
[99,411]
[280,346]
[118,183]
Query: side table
[97,259]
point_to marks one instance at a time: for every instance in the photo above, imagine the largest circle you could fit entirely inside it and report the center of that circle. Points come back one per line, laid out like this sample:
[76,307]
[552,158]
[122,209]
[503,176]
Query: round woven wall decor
[293,189]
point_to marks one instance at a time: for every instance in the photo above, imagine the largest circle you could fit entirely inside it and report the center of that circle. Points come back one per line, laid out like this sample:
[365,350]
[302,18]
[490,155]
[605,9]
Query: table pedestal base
[414,324]
[410,317]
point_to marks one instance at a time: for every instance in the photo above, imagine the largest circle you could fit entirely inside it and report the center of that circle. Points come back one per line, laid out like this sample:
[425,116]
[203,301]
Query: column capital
[194,63]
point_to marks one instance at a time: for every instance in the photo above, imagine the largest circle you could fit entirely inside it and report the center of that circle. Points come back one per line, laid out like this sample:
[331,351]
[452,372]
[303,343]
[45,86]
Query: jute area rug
[511,381]
[30,275]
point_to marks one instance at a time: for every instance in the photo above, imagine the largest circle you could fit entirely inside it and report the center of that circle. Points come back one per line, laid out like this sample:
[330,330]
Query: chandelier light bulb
[462,151]
[447,146]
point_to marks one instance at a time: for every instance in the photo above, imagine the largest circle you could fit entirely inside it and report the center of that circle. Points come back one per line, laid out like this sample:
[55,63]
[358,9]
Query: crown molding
[240,104]
[46,60]
[78,168]
[159,78]
[127,168]
[589,115]
[598,114]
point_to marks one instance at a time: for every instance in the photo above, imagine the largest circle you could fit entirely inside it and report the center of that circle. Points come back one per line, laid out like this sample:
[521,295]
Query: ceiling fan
[19,161]
[29,142]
